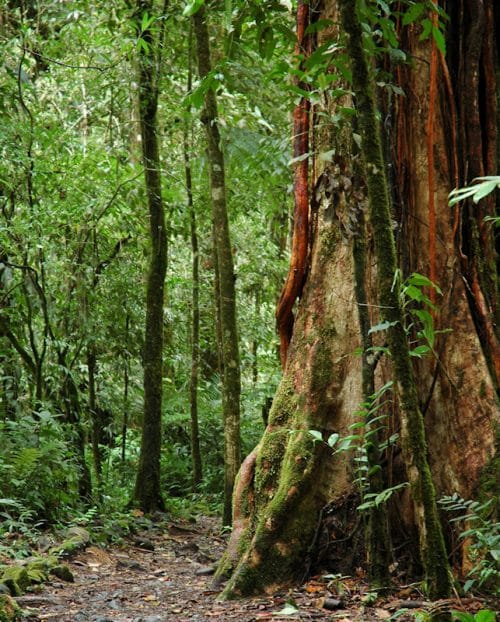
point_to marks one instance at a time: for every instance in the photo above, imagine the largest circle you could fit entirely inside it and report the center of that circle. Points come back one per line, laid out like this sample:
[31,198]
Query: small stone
[79,533]
[332,603]
[205,571]
[143,543]
[130,564]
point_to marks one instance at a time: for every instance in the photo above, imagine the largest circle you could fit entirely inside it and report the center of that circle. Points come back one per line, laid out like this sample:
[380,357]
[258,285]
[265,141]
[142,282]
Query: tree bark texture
[147,491]
[195,319]
[231,384]
[284,483]
[432,547]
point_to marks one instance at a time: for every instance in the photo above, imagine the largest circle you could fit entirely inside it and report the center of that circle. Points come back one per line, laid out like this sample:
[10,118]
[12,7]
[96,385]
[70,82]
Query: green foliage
[480,188]
[477,524]
[37,470]
[484,615]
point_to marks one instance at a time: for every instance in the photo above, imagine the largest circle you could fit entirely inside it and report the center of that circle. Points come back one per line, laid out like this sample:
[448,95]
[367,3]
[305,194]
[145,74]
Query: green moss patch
[16,578]
[9,609]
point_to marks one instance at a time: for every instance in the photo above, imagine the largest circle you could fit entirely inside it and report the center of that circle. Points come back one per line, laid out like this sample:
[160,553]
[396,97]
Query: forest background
[82,85]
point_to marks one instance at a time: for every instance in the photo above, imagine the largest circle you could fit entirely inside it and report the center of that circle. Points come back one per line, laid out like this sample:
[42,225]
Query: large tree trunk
[414,445]
[285,482]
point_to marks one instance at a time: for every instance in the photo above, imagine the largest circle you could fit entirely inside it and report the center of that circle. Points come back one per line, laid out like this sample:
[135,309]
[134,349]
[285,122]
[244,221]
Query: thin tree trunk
[96,432]
[231,386]
[432,547]
[377,537]
[195,320]
[126,372]
[147,492]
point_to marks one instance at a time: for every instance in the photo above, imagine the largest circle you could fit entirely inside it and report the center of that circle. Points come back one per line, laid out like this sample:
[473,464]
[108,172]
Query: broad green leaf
[420,280]
[485,616]
[333,438]
[414,293]
[413,13]
[484,189]
[426,29]
[316,434]
[192,7]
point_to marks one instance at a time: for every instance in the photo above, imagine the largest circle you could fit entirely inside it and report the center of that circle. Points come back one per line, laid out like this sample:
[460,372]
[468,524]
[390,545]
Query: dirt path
[161,575]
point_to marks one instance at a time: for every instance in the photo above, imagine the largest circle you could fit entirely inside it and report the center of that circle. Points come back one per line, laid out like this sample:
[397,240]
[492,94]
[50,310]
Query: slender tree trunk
[432,547]
[147,492]
[96,432]
[377,538]
[195,319]
[226,291]
[255,340]
[73,415]
[126,373]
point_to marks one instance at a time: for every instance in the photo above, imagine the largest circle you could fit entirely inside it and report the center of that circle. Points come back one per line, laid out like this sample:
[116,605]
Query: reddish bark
[294,283]
[430,161]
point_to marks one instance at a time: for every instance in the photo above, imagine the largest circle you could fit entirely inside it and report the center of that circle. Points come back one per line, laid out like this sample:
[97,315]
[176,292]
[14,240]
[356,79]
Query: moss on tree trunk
[147,491]
[432,547]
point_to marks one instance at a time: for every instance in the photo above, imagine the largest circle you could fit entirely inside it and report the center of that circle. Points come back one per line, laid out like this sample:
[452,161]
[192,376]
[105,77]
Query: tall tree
[287,480]
[147,491]
[195,319]
[230,359]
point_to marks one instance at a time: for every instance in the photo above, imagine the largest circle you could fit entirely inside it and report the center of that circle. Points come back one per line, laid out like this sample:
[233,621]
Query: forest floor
[162,573]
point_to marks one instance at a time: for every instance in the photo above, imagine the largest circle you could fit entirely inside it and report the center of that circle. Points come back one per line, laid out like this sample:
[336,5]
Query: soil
[164,573]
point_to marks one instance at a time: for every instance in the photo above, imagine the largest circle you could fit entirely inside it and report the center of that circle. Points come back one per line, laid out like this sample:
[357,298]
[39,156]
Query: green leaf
[333,438]
[316,434]
[413,13]
[192,7]
[288,610]
[426,30]
[299,158]
[419,280]
[382,326]
[420,351]
[483,190]
[414,293]
[485,615]
[146,21]
[439,39]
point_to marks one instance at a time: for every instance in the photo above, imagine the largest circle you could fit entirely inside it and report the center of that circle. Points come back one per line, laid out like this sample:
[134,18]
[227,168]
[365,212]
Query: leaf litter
[169,578]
